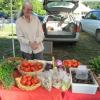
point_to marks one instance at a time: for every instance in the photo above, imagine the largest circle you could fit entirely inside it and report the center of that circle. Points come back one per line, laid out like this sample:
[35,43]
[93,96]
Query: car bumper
[71,39]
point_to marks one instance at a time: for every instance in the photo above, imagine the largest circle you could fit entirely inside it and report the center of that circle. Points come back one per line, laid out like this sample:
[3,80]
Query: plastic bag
[81,72]
[56,79]
[65,80]
[61,79]
[46,79]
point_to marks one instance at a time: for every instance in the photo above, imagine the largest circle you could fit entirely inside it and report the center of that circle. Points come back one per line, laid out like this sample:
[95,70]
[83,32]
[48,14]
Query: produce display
[61,79]
[15,61]
[88,81]
[66,83]
[30,74]
[30,67]
[6,71]
[46,79]
[95,65]
[57,78]
[28,82]
[71,63]
[87,85]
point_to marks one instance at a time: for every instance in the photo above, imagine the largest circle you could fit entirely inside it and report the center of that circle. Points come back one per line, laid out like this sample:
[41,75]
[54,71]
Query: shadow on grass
[7,51]
[6,47]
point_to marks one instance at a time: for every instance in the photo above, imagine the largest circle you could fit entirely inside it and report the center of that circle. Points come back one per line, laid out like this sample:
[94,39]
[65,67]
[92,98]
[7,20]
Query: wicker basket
[27,88]
[29,73]
[18,59]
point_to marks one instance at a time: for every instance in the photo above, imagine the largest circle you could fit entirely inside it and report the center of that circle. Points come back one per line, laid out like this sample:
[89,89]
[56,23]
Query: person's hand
[34,45]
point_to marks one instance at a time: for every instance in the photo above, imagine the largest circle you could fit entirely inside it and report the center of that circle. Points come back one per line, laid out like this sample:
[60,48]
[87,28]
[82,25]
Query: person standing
[30,33]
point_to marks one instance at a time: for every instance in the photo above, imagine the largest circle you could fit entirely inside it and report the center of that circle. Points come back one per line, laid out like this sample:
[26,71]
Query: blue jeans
[32,56]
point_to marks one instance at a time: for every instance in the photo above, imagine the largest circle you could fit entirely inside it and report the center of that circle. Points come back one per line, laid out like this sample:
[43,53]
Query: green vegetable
[6,70]
[95,64]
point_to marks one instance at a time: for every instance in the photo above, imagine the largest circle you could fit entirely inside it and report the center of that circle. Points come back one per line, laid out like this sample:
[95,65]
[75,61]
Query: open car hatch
[56,6]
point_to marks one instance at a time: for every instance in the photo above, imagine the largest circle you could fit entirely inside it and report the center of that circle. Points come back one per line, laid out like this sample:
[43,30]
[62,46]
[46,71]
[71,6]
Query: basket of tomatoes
[30,67]
[27,82]
[71,63]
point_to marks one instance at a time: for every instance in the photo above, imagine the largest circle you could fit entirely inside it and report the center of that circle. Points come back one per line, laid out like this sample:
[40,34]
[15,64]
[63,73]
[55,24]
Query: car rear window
[60,4]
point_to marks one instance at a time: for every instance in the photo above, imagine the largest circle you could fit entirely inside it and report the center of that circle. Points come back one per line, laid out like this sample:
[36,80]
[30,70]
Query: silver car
[59,24]
[91,23]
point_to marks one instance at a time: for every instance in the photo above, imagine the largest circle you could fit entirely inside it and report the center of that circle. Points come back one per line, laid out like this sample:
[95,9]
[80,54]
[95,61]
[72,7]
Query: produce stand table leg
[48,47]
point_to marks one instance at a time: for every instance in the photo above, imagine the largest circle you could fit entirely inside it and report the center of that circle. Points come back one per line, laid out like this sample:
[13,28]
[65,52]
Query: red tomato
[23,81]
[28,83]
[27,69]
[26,80]
[31,64]
[32,81]
[39,66]
[32,69]
[36,80]
[74,64]
[71,63]
[36,68]
[25,77]
[25,63]
[65,62]
[29,78]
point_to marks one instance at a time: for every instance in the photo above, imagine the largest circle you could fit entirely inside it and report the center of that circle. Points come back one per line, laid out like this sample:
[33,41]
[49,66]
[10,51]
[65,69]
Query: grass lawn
[6,31]
[6,40]
[85,49]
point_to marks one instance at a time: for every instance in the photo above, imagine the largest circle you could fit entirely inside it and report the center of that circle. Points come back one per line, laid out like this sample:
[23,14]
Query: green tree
[5,6]
[38,7]
[93,5]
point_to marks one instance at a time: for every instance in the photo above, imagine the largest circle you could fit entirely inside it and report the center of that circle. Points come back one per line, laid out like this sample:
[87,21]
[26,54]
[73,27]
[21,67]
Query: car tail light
[77,28]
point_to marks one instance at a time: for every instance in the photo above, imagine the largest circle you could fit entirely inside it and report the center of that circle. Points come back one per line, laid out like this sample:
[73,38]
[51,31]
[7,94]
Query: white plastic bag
[46,79]
[82,72]
[65,80]
[56,79]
